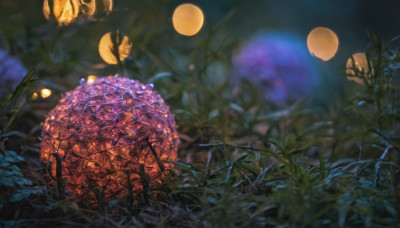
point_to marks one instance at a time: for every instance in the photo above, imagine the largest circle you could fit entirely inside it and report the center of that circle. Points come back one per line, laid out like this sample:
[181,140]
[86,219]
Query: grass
[309,167]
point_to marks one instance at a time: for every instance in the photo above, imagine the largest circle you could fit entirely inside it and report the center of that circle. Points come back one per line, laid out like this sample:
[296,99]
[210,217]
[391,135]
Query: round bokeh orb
[187,19]
[106,133]
[278,65]
[12,73]
[64,11]
[322,43]
[107,48]
[45,93]
[358,68]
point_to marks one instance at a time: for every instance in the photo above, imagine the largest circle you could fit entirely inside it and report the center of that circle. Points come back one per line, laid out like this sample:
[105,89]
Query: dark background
[23,28]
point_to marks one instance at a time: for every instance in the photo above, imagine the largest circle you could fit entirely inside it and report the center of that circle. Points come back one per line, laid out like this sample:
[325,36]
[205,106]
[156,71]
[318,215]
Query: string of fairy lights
[187,20]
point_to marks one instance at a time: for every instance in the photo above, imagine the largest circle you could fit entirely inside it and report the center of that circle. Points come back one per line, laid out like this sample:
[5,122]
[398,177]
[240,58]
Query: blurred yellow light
[192,67]
[91,79]
[188,19]
[107,49]
[46,9]
[90,7]
[34,96]
[323,43]
[64,11]
[45,93]
[108,5]
[360,68]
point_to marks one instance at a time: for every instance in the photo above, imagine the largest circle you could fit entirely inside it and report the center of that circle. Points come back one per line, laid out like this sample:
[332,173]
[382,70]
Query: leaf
[214,113]
[10,223]
[212,144]
[379,164]
[236,107]
[13,157]
[185,98]
[229,174]
[161,75]
[191,168]
[322,162]
[4,163]
[22,194]
[12,177]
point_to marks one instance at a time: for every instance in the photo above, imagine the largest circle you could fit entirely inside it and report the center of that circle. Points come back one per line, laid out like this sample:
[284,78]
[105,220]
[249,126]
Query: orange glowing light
[109,50]
[64,11]
[34,96]
[46,9]
[322,43]
[91,79]
[108,135]
[188,19]
[67,11]
[45,93]
[108,5]
[90,7]
[359,68]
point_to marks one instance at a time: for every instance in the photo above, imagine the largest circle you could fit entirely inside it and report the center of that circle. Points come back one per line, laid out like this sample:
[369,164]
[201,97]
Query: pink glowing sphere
[107,134]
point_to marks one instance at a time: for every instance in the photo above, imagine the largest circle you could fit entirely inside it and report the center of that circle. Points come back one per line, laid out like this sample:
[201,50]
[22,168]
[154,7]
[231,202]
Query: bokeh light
[45,93]
[113,44]
[12,72]
[322,43]
[64,11]
[188,19]
[108,5]
[67,11]
[278,65]
[34,96]
[88,7]
[91,79]
[359,68]
[91,7]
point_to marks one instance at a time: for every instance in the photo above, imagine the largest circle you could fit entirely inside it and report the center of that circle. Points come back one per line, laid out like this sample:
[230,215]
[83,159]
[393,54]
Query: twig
[60,189]
[379,163]
[145,183]
[160,164]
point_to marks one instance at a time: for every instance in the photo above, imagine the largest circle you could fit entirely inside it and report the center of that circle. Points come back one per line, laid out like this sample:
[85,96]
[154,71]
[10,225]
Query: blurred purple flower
[278,65]
[11,73]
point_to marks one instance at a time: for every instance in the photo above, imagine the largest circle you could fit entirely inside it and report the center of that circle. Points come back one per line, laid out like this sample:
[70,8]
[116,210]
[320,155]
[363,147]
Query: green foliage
[242,162]
[11,178]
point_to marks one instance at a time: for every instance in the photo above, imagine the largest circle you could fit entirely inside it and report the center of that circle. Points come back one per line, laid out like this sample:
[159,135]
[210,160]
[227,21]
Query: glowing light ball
[188,19]
[322,43]
[64,11]
[109,50]
[359,68]
[278,65]
[11,73]
[45,93]
[105,133]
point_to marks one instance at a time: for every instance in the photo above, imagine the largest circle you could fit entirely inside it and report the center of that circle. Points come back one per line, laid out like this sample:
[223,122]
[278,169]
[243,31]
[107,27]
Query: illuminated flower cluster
[11,73]
[278,65]
[108,134]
